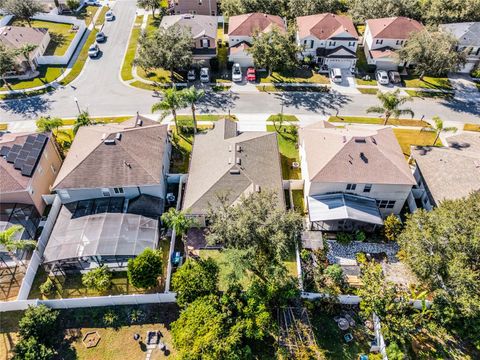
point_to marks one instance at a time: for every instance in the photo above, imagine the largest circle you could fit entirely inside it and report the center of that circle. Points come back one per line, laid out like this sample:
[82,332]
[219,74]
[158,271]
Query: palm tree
[11,245]
[49,124]
[25,51]
[439,128]
[172,101]
[82,120]
[391,102]
[191,96]
[179,222]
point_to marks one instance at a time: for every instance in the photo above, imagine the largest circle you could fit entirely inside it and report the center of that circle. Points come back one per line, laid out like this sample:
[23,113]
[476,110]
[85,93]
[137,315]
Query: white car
[237,73]
[92,3]
[336,75]
[93,51]
[109,16]
[382,77]
[205,75]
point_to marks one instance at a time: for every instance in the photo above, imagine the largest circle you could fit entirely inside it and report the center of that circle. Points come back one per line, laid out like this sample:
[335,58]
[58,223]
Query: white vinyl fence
[377,327]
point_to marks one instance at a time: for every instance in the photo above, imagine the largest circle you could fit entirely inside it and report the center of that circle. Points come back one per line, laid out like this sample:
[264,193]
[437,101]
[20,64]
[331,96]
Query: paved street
[100,91]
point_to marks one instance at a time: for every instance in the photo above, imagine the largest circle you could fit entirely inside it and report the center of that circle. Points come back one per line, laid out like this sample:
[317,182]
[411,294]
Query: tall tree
[23,9]
[391,102]
[144,270]
[150,4]
[82,120]
[49,124]
[312,7]
[232,7]
[274,50]
[433,53]
[7,62]
[436,12]
[361,10]
[169,48]
[439,128]
[179,222]
[265,233]
[11,244]
[191,96]
[172,101]
[194,279]
[25,50]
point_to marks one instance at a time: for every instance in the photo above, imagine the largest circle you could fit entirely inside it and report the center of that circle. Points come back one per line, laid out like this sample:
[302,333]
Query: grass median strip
[429,94]
[368,91]
[471,127]
[21,95]
[206,117]
[127,66]
[285,117]
[377,121]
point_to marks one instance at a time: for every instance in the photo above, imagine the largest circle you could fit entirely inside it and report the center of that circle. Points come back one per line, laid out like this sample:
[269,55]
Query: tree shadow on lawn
[322,103]
[56,41]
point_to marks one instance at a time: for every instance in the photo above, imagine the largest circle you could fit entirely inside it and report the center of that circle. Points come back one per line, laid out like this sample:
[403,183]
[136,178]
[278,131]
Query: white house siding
[371,43]
[233,40]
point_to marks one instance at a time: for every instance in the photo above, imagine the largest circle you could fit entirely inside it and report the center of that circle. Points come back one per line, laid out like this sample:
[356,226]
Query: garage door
[340,63]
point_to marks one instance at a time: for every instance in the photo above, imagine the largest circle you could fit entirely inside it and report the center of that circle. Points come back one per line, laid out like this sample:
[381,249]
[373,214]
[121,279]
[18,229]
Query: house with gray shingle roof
[227,164]
[353,176]
[468,36]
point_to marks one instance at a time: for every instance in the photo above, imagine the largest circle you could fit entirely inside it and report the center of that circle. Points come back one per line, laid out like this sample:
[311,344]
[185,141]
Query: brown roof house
[228,164]
[353,176]
[447,173]
[112,186]
[203,29]
[195,7]
[383,36]
[14,37]
[241,30]
[329,38]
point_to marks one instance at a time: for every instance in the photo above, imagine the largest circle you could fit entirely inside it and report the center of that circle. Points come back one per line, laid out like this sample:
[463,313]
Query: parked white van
[336,75]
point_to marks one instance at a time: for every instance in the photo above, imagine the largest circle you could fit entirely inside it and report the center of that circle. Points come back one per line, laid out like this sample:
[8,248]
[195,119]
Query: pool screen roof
[104,234]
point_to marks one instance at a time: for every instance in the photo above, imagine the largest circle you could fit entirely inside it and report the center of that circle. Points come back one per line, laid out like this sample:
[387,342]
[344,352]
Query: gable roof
[393,28]
[467,33]
[450,172]
[200,25]
[98,159]
[227,163]
[247,24]
[326,26]
[354,155]
[15,37]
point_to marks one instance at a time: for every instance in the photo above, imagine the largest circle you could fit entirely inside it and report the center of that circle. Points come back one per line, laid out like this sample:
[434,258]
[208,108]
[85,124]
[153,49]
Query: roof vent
[239,161]
[127,164]
[235,171]
[239,148]
[363,157]
[374,140]
[118,136]
[257,188]
[344,139]
[230,148]
[139,122]
[104,135]
[360,140]
[229,160]
[109,142]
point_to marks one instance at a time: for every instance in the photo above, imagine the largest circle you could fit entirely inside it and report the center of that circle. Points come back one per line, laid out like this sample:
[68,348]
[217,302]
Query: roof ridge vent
[109,142]
[234,171]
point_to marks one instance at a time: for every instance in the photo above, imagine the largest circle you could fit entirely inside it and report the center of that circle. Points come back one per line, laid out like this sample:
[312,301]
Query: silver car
[382,77]
[93,51]
[394,77]
[205,75]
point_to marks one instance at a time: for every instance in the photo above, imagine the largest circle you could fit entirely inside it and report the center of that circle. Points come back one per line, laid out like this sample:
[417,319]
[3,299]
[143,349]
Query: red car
[251,74]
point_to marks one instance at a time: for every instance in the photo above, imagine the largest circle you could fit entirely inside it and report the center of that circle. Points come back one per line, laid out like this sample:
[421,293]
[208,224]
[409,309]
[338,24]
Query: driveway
[348,85]
[465,88]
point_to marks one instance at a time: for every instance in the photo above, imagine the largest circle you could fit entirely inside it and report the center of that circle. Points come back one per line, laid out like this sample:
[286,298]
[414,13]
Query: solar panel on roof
[30,139]
[4,150]
[25,157]
[12,156]
[28,146]
[31,160]
[23,154]
[27,170]
[18,164]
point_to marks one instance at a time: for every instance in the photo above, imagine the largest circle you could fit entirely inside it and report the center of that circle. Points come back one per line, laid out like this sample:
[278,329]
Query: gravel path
[338,251]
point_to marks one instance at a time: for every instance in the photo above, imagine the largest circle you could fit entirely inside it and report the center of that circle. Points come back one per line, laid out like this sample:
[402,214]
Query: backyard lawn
[408,137]
[298,201]
[46,75]
[181,150]
[295,76]
[428,82]
[377,120]
[287,144]
[60,35]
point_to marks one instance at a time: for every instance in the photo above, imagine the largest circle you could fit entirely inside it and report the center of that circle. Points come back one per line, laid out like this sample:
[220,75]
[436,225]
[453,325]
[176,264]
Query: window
[105,192]
[351,43]
[205,43]
[399,42]
[118,191]
[53,169]
[367,188]
[478,51]
[351,186]
[386,204]
[311,44]
[378,41]
[331,43]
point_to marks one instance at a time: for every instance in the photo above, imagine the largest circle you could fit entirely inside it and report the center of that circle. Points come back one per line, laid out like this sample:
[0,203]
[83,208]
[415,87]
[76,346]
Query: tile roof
[247,24]
[385,52]
[451,172]
[98,159]
[200,25]
[227,163]
[467,33]
[354,155]
[326,26]
[393,28]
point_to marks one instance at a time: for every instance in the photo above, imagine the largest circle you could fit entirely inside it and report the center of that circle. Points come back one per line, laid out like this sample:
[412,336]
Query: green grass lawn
[100,119]
[377,120]
[426,94]
[88,13]
[288,118]
[159,75]
[408,137]
[127,65]
[298,202]
[152,24]
[206,117]
[367,91]
[294,76]
[287,145]
[471,127]
[60,35]
[181,150]
[101,17]
[27,94]
[428,82]
[330,338]
[46,75]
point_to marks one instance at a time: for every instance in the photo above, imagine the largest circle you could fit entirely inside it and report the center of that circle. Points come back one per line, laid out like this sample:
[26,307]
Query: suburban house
[14,37]
[204,33]
[112,187]
[227,164]
[241,30]
[383,36]
[29,164]
[331,40]
[195,7]
[468,36]
[354,177]
[447,173]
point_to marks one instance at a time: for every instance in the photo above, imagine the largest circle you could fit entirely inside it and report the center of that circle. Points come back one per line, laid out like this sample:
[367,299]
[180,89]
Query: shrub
[73,4]
[361,258]
[110,318]
[305,255]
[344,238]
[39,322]
[335,273]
[144,270]
[47,287]
[136,315]
[392,227]
[475,73]
[360,235]
[394,352]
[99,279]
[375,356]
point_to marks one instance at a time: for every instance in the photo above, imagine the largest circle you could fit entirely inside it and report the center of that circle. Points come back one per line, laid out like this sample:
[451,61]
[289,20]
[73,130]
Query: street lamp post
[78,106]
